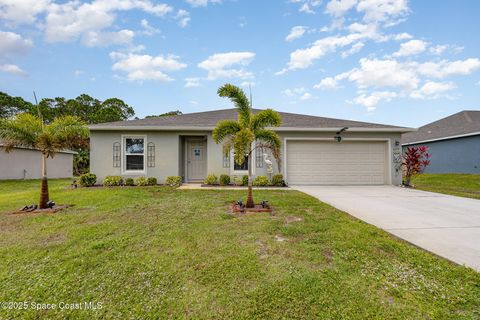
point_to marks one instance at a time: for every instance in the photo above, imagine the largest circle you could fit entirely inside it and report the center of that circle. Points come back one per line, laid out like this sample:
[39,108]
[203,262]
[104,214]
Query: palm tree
[248,133]
[29,131]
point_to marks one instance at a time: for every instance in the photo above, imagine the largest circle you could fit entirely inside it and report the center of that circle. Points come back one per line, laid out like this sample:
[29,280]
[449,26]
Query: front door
[196,160]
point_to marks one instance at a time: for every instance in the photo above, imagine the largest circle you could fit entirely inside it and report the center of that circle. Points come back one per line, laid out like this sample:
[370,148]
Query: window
[134,154]
[116,155]
[226,160]
[259,157]
[243,167]
[151,155]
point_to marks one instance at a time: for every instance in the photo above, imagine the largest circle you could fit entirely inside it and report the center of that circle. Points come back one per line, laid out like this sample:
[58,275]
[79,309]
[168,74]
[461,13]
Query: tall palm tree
[29,131]
[248,133]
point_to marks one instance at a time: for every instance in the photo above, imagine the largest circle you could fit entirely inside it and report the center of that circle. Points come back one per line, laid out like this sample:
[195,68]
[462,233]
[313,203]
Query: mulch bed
[232,186]
[55,209]
[236,209]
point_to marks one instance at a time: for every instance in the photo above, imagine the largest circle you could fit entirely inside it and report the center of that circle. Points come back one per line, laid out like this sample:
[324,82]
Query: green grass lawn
[156,253]
[463,185]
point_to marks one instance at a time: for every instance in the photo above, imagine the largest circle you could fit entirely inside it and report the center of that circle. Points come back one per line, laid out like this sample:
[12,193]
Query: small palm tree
[248,133]
[29,131]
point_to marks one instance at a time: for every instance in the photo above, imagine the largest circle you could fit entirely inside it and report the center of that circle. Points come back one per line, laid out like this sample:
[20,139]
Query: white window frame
[124,155]
[241,172]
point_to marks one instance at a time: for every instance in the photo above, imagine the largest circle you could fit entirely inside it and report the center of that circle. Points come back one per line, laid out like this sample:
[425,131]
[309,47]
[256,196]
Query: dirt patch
[53,239]
[262,249]
[55,209]
[292,219]
[328,255]
[279,238]
[236,209]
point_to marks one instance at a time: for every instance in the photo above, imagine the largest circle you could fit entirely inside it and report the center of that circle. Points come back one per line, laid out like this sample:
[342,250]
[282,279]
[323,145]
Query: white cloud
[146,67]
[16,12]
[12,44]
[438,49]
[447,68]
[338,8]
[183,17]
[383,73]
[296,32]
[307,6]
[220,65]
[201,3]
[403,36]
[382,10]
[103,39]
[432,90]
[371,101]
[13,69]
[248,84]
[410,48]
[353,49]
[72,20]
[78,73]
[306,96]
[192,82]
[147,28]
[328,83]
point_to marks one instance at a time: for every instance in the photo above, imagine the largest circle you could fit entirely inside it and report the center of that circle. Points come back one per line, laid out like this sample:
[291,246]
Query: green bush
[112,181]
[152,181]
[210,179]
[237,180]
[129,182]
[261,181]
[141,182]
[87,179]
[224,179]
[245,180]
[173,181]
[277,180]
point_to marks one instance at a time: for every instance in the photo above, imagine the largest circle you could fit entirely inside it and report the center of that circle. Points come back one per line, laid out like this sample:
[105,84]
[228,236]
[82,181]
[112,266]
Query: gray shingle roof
[210,119]
[461,123]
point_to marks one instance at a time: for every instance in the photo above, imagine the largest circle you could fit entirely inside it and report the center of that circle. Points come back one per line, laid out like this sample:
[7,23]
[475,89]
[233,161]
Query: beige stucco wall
[27,164]
[168,153]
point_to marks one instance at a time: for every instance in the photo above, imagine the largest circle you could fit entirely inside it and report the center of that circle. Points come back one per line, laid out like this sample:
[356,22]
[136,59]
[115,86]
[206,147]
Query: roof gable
[461,123]
[209,119]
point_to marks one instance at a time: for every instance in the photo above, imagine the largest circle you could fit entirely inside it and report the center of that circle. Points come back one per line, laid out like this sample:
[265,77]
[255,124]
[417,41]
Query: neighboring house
[23,163]
[183,145]
[453,143]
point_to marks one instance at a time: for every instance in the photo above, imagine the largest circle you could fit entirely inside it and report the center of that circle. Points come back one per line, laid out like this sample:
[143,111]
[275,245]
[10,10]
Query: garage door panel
[345,163]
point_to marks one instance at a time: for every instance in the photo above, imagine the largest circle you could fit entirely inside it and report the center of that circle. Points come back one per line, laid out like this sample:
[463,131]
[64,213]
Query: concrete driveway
[445,225]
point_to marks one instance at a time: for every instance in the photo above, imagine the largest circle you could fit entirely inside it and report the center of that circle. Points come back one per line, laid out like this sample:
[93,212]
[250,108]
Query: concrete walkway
[445,225]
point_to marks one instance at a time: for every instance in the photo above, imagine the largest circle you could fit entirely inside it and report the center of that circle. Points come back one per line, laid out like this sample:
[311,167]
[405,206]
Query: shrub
[87,179]
[245,180]
[152,181]
[224,180]
[277,180]
[129,182]
[261,181]
[415,160]
[111,181]
[210,179]
[141,182]
[173,181]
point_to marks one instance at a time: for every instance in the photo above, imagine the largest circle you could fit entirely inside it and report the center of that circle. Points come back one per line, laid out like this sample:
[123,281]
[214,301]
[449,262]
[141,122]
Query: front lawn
[156,253]
[462,185]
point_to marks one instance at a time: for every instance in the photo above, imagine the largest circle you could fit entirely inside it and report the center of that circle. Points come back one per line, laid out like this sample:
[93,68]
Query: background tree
[248,133]
[10,106]
[414,161]
[27,130]
[167,114]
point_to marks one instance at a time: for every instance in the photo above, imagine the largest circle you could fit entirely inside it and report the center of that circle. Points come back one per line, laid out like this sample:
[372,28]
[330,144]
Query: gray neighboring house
[368,154]
[453,142]
[23,163]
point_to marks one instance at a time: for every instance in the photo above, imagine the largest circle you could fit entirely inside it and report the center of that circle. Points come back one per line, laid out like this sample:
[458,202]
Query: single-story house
[182,145]
[453,143]
[24,163]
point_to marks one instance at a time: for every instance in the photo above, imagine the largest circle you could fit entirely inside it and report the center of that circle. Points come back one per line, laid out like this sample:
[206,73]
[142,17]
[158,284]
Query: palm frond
[20,131]
[223,129]
[266,118]
[269,139]
[240,100]
[242,144]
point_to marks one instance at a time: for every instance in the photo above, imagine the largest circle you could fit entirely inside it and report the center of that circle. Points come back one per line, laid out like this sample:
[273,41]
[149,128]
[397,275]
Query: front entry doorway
[196,166]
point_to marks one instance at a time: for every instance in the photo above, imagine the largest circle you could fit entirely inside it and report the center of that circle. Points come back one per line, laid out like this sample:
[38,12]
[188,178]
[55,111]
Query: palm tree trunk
[44,190]
[250,203]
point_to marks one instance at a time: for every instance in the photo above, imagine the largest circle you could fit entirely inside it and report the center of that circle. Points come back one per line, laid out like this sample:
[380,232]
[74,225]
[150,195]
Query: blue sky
[390,61]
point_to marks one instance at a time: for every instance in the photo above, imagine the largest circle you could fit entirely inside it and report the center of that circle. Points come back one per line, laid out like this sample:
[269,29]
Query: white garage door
[333,163]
